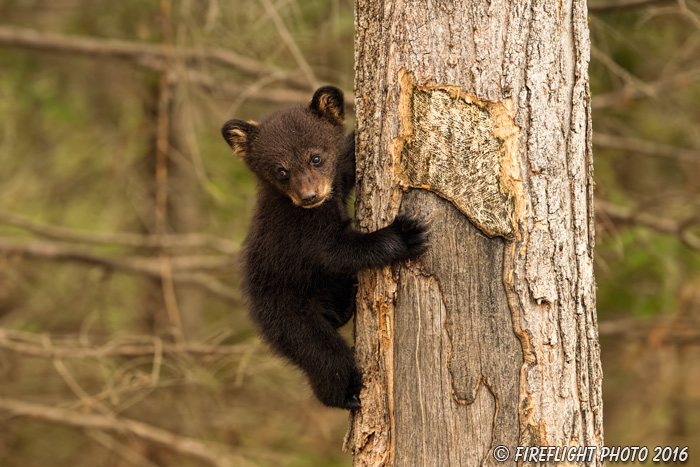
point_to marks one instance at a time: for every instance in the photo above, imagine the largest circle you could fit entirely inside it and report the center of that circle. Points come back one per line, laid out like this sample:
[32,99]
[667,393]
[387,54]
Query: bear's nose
[308,197]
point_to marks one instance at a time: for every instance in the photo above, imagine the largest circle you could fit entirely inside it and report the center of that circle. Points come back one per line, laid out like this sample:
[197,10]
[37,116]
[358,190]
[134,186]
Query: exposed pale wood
[483,341]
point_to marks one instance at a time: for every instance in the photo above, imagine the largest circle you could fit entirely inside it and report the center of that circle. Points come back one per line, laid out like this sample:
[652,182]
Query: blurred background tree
[123,336]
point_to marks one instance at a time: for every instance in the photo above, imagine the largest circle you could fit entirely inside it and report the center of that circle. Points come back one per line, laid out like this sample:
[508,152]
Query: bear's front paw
[341,388]
[413,233]
[352,394]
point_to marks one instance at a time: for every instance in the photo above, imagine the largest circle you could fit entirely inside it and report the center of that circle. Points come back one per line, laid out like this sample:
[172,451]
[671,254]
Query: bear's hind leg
[312,343]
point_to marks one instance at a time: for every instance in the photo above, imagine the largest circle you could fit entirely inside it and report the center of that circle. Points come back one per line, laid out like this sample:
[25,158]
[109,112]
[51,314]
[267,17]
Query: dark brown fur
[302,255]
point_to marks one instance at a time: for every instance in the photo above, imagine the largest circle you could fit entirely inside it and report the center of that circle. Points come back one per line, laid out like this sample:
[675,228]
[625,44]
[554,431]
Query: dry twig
[169,241]
[135,51]
[615,69]
[120,449]
[688,13]
[150,56]
[661,331]
[631,92]
[291,45]
[214,454]
[669,226]
[624,5]
[138,265]
[161,176]
[648,148]
[19,342]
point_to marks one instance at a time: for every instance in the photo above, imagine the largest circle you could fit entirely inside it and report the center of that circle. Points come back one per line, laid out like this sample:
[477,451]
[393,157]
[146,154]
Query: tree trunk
[477,116]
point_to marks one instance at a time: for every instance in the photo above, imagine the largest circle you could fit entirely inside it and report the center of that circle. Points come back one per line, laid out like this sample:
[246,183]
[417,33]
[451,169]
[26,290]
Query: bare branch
[648,148]
[652,89]
[19,343]
[161,173]
[119,449]
[134,51]
[659,224]
[168,241]
[685,11]
[291,45]
[82,395]
[213,13]
[151,56]
[675,331]
[142,264]
[263,94]
[627,215]
[624,5]
[612,66]
[147,266]
[214,454]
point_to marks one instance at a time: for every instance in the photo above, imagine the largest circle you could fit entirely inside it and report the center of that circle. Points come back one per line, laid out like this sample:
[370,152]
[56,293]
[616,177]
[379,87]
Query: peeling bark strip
[484,341]
[452,143]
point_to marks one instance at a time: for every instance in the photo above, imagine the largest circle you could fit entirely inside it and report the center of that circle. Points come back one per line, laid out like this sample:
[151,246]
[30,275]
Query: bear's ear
[328,103]
[239,135]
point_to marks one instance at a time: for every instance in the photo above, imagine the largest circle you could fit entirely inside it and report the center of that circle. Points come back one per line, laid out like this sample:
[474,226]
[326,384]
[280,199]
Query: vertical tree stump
[477,116]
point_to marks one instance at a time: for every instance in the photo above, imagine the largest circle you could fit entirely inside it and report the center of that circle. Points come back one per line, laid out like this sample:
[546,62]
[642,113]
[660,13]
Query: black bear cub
[301,256]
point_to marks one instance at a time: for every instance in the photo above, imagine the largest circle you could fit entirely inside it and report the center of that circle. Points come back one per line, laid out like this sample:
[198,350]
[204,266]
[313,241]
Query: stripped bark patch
[462,148]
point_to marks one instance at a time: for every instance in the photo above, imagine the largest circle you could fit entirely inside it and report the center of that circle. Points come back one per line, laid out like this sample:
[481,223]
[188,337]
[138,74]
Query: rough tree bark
[477,116]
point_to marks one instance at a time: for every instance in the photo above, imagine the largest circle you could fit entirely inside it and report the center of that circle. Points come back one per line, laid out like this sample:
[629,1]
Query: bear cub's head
[296,149]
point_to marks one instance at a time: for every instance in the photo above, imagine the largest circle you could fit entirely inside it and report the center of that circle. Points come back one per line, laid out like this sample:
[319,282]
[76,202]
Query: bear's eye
[282,174]
[315,160]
